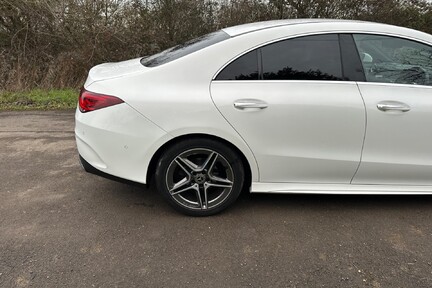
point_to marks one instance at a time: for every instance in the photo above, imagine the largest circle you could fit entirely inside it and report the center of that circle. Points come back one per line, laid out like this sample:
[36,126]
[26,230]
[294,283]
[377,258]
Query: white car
[289,106]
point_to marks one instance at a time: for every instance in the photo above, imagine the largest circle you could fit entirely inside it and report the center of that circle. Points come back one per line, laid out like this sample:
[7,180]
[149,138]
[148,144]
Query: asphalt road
[62,227]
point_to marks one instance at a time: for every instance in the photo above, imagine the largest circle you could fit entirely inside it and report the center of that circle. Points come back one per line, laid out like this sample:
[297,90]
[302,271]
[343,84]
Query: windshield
[184,49]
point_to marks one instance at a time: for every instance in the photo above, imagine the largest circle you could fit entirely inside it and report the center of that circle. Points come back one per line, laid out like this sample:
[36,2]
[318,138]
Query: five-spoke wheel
[200,176]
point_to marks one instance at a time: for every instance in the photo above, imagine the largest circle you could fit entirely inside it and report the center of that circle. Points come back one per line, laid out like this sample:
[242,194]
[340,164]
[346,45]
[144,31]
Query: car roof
[251,27]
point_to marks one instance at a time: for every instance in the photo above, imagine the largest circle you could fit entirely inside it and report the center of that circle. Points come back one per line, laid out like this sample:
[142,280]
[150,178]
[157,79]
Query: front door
[398,99]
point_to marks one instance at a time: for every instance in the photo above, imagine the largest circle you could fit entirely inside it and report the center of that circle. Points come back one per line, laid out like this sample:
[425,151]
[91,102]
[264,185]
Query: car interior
[394,60]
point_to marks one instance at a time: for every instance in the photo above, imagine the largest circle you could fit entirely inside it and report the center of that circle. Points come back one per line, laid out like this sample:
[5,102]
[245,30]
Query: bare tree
[53,43]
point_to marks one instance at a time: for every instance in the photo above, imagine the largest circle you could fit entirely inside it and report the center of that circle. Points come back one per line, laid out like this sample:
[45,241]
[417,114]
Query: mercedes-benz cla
[290,106]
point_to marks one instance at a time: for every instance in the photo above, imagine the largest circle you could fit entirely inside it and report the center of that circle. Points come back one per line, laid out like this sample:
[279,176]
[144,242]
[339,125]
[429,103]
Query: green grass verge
[38,99]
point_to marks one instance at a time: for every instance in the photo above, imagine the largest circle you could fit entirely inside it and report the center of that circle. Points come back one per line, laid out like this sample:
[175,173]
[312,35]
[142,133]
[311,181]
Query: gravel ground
[62,227]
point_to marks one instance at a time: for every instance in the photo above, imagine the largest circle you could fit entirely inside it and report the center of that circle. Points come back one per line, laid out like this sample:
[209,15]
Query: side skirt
[300,188]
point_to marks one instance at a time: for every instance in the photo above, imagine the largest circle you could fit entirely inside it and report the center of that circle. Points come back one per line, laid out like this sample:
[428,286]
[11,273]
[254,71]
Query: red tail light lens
[89,101]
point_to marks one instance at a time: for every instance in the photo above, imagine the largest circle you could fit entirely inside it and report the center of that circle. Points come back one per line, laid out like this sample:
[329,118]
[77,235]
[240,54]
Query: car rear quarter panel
[178,107]
[118,141]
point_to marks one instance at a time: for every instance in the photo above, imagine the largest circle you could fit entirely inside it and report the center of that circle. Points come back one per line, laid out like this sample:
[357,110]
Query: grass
[38,99]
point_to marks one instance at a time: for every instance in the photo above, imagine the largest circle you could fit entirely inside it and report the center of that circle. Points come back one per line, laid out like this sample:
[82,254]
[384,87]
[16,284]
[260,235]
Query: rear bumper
[117,142]
[92,170]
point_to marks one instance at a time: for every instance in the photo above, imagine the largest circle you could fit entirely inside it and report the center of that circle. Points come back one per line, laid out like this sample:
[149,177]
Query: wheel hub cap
[200,178]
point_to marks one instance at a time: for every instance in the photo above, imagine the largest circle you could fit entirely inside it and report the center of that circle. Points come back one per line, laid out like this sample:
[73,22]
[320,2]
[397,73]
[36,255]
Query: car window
[394,60]
[243,68]
[304,58]
[184,49]
[315,57]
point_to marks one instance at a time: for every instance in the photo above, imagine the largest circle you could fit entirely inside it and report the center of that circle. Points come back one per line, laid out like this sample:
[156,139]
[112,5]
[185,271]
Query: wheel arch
[156,156]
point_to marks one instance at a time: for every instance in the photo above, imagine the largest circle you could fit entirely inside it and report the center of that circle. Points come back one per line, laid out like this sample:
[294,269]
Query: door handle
[250,104]
[393,106]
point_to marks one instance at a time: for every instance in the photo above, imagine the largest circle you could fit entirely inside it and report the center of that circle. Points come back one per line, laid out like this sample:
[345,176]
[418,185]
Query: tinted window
[395,60]
[243,68]
[305,58]
[351,63]
[184,49]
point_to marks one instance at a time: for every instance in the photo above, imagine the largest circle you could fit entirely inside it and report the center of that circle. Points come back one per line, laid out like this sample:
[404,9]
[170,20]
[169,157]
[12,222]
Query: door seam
[364,135]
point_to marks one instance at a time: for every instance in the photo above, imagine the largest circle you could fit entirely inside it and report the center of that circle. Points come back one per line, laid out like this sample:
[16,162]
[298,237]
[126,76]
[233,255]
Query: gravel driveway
[62,227]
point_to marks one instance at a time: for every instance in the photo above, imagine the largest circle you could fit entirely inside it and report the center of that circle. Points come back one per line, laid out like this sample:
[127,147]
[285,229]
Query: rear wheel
[200,177]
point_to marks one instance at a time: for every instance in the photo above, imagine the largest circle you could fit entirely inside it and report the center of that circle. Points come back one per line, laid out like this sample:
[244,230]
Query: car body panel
[108,71]
[253,27]
[398,145]
[324,147]
[174,114]
[118,141]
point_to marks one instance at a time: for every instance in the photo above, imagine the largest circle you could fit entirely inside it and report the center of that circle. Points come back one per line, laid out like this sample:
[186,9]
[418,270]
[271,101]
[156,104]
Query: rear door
[293,103]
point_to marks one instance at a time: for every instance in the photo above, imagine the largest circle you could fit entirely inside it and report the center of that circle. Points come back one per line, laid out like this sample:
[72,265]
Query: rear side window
[395,60]
[184,49]
[315,57]
[305,58]
[243,68]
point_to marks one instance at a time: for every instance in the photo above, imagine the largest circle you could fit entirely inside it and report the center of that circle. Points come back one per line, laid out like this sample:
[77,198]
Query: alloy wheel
[199,179]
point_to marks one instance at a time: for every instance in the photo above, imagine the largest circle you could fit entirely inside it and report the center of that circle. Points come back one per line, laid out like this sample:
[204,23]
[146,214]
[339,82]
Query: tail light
[90,101]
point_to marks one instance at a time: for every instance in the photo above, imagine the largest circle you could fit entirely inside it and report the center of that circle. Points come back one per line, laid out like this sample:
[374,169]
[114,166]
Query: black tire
[202,169]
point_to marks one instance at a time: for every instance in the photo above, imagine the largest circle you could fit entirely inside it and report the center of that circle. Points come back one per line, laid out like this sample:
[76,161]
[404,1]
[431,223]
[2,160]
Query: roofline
[238,30]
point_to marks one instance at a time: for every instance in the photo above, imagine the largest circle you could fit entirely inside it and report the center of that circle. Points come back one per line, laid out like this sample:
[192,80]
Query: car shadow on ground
[146,196]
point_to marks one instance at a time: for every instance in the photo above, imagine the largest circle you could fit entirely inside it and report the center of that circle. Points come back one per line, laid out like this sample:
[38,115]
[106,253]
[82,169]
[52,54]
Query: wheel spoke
[183,190]
[183,167]
[180,184]
[184,162]
[210,161]
[219,185]
[220,182]
[200,203]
